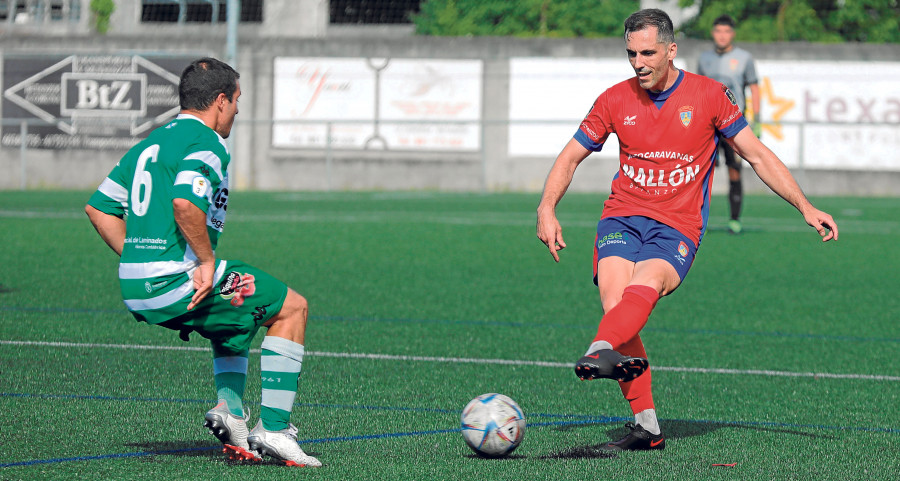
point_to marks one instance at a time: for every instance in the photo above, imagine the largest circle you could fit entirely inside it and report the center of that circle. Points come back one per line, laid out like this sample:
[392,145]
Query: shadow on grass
[202,449]
[673,429]
[511,457]
[196,449]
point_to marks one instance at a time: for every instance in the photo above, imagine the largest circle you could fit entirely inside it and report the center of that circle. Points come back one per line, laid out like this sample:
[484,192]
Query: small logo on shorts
[148,287]
[236,287]
[682,252]
[232,279]
[260,313]
[612,238]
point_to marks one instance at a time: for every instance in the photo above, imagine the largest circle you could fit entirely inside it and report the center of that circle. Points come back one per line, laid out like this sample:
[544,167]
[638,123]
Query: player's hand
[203,283]
[550,233]
[823,223]
[756,127]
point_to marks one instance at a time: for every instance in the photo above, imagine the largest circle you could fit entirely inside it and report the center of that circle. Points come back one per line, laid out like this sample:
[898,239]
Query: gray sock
[598,345]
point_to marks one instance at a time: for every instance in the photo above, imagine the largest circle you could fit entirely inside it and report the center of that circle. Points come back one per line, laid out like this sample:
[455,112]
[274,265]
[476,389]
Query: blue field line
[335,439]
[103,456]
[649,329]
[572,418]
[365,437]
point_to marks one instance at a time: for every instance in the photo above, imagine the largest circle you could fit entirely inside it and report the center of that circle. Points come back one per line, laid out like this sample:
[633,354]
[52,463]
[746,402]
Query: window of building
[372,11]
[39,11]
[197,11]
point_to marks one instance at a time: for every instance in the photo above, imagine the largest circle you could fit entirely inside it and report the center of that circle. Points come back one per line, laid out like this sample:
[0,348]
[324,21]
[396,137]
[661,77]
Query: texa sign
[88,101]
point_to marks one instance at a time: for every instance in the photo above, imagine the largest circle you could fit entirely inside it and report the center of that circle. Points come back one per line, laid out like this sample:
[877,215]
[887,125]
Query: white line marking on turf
[470,360]
[479,218]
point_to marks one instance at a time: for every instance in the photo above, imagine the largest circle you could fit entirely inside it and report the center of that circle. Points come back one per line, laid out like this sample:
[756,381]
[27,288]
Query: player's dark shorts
[242,301]
[731,159]
[637,238]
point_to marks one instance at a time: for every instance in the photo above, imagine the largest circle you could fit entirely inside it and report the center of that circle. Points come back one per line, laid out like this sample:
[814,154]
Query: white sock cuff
[285,347]
[236,364]
[647,420]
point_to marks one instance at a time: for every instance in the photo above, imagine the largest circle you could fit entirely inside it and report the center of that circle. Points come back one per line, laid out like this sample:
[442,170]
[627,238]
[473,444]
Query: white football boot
[232,431]
[281,445]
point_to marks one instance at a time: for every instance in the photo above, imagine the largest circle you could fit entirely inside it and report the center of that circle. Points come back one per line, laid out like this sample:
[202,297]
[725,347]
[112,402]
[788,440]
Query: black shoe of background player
[639,439]
[609,364]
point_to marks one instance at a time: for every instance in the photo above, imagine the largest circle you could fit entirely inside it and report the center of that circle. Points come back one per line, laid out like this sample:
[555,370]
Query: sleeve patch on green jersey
[200,186]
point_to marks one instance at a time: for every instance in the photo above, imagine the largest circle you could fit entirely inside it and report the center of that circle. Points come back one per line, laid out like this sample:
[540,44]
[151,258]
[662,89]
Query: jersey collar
[188,116]
[194,117]
[661,97]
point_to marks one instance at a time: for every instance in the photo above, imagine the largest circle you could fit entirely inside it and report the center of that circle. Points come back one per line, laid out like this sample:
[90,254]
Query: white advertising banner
[407,104]
[832,115]
[818,115]
[548,98]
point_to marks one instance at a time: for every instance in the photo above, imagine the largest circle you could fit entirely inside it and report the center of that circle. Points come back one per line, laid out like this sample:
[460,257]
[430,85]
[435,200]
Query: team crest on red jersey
[686,113]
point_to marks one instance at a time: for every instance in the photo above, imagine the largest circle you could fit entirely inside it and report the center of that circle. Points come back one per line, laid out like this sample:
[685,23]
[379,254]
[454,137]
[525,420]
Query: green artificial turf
[777,354]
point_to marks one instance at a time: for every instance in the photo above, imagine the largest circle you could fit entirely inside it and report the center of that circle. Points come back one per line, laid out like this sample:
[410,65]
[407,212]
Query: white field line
[478,218]
[468,360]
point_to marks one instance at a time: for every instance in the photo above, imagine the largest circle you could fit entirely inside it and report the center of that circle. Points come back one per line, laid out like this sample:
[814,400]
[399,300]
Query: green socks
[230,373]
[280,364]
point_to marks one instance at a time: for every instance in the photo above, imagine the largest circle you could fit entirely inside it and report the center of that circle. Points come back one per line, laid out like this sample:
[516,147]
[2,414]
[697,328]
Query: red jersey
[667,147]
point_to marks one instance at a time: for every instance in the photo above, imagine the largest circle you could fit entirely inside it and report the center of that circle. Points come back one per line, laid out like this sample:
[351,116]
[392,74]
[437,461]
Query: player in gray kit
[734,67]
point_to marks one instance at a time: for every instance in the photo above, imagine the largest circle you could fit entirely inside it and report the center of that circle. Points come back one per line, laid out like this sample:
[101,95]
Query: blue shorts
[637,238]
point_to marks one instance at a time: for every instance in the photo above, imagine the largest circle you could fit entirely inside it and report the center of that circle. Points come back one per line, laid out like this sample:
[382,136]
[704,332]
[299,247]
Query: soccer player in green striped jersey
[162,209]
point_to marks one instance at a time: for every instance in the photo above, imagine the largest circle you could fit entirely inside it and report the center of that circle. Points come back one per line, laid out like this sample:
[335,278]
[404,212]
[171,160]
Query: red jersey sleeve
[728,117]
[596,126]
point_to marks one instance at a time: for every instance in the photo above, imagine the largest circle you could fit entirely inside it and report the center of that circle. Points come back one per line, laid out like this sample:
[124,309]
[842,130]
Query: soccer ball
[493,425]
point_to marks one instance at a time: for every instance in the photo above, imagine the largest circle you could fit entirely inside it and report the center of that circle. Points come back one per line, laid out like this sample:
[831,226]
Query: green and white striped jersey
[183,159]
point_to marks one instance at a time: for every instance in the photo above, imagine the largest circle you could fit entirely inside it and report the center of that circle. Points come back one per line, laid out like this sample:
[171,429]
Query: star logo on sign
[781,106]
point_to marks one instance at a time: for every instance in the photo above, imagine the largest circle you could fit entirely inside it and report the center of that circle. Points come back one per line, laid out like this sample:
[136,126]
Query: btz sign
[103,94]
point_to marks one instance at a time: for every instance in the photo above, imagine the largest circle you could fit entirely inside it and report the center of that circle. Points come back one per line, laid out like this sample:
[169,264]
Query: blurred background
[448,95]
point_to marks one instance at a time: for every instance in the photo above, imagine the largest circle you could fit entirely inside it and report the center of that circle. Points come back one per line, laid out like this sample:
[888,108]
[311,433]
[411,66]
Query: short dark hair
[203,80]
[651,17]
[724,19]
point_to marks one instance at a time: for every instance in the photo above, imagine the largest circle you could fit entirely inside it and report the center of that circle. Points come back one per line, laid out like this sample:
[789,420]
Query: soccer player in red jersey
[666,121]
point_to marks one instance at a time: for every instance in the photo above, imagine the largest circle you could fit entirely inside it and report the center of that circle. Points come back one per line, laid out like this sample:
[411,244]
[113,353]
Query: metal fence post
[328,155]
[23,149]
[484,159]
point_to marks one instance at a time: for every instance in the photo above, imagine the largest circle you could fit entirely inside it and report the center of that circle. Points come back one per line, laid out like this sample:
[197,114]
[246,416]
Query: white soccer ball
[493,425]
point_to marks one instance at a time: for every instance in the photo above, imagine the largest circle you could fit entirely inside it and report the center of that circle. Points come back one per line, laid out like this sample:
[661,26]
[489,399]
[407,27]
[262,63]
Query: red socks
[623,322]
[620,327]
[637,391]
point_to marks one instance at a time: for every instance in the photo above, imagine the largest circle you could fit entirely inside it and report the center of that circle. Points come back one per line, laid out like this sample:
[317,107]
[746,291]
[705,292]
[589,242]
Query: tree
[524,18]
[826,21]
[102,10]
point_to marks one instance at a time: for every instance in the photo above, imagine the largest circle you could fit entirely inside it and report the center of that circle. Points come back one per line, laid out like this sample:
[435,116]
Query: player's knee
[295,306]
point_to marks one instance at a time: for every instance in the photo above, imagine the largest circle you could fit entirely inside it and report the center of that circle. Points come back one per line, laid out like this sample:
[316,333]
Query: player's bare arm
[755,98]
[776,175]
[549,231]
[110,228]
[191,221]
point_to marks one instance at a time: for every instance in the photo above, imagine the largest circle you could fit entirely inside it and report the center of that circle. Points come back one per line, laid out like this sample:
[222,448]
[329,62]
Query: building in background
[264,18]
[344,95]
